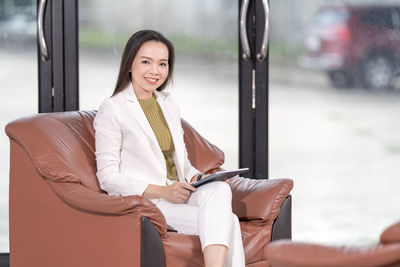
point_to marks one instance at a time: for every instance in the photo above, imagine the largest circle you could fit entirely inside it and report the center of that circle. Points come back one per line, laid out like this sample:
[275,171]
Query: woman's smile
[149,68]
[151,81]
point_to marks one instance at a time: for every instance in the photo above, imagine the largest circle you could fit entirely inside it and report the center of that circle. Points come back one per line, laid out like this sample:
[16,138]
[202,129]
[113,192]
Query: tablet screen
[219,176]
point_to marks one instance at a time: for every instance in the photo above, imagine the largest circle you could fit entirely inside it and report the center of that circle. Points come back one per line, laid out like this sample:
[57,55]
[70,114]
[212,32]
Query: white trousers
[208,213]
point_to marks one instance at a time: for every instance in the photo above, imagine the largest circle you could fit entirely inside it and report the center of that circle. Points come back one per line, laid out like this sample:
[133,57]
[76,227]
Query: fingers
[184,192]
[180,192]
[189,187]
[183,195]
[184,186]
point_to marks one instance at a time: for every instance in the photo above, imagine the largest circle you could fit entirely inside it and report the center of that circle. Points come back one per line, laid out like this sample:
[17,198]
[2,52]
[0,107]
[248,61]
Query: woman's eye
[163,64]
[145,62]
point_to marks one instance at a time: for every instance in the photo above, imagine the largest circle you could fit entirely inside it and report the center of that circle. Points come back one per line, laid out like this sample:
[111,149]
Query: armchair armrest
[391,234]
[81,198]
[259,200]
[284,253]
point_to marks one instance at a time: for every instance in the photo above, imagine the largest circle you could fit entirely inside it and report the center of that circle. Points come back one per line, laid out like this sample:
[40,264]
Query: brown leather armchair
[59,216]
[284,253]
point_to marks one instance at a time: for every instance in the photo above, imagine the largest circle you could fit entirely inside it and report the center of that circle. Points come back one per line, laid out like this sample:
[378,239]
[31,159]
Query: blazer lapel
[139,115]
[173,121]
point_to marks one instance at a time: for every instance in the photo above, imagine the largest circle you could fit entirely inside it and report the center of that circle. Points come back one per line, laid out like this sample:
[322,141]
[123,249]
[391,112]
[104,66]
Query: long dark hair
[130,51]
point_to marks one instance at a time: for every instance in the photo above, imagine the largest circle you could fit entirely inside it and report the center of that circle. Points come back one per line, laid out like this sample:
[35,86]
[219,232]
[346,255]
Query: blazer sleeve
[108,141]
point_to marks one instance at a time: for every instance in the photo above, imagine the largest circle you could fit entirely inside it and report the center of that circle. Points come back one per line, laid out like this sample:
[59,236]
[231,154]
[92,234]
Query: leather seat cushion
[296,254]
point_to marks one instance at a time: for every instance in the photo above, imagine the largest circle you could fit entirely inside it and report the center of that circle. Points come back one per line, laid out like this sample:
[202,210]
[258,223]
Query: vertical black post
[58,76]
[71,52]
[58,55]
[45,67]
[253,98]
[246,111]
[261,82]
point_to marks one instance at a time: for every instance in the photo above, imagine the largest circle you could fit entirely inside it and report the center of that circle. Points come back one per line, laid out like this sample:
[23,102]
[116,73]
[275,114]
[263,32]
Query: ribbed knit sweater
[160,128]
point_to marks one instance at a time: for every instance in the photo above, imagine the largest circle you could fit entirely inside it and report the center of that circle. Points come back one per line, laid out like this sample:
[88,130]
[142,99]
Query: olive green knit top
[161,131]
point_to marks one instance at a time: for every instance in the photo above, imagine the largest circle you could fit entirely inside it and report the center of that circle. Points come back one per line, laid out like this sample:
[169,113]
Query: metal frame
[71,56]
[246,112]
[261,85]
[253,97]
[59,74]
[45,67]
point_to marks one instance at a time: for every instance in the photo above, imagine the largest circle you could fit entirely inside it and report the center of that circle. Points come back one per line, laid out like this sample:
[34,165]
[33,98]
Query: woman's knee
[222,188]
[215,192]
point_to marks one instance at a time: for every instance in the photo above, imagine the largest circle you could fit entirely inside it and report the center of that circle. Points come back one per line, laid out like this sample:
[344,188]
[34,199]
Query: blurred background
[334,97]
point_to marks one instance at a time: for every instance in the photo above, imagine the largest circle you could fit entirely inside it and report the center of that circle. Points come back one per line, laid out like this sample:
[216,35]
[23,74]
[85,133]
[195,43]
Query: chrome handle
[243,30]
[263,51]
[40,28]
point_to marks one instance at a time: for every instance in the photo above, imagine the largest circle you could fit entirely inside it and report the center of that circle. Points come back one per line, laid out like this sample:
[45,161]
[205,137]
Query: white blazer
[128,155]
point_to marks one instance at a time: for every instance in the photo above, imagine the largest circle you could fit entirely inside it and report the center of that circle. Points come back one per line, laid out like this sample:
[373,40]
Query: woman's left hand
[194,178]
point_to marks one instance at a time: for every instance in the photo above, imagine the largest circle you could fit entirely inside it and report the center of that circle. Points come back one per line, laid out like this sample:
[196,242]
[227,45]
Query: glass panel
[19,84]
[334,110]
[204,34]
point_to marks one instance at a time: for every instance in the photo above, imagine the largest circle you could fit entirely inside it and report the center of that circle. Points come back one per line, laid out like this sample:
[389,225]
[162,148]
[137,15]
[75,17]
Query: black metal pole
[59,74]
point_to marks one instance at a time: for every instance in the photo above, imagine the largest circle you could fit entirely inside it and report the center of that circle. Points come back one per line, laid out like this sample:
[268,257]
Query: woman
[140,151]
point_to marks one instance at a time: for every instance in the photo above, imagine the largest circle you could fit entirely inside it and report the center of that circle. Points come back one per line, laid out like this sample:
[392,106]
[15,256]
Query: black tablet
[219,176]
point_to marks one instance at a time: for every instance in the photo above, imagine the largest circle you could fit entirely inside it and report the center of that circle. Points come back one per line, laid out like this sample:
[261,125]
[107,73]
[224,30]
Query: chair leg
[152,250]
[282,227]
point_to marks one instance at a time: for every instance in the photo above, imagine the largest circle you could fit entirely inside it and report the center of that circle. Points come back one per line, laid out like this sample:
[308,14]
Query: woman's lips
[151,81]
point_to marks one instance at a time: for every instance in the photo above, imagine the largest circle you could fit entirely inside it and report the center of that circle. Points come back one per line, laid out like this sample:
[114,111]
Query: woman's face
[149,68]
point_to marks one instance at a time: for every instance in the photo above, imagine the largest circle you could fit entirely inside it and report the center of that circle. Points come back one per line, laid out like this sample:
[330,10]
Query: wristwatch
[199,176]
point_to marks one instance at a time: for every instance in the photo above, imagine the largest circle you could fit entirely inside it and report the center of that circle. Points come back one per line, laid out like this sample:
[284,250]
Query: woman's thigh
[182,217]
[214,193]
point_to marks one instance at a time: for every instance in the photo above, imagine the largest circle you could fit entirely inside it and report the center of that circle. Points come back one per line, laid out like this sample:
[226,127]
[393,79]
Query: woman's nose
[155,69]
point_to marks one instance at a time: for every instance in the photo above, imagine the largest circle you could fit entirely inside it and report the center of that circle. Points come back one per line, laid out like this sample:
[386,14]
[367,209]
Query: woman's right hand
[178,192]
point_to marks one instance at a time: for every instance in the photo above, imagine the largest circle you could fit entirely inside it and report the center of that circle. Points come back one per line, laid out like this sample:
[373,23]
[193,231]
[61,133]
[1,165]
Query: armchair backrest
[61,146]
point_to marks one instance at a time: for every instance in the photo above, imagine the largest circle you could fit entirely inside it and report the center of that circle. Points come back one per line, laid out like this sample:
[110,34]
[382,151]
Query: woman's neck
[143,94]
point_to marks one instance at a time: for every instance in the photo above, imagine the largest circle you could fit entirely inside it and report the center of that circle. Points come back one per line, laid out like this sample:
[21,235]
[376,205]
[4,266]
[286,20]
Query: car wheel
[340,79]
[378,72]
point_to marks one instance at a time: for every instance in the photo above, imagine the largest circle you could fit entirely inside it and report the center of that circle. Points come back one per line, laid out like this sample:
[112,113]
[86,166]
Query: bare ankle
[214,255]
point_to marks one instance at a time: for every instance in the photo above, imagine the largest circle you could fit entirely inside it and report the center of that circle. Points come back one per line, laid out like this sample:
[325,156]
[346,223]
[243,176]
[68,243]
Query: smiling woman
[147,55]
[149,68]
[140,151]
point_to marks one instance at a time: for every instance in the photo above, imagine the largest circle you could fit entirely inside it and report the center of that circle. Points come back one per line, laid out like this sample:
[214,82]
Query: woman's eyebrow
[152,58]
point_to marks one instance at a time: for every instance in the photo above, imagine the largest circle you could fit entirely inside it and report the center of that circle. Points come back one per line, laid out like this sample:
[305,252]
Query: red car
[354,44]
